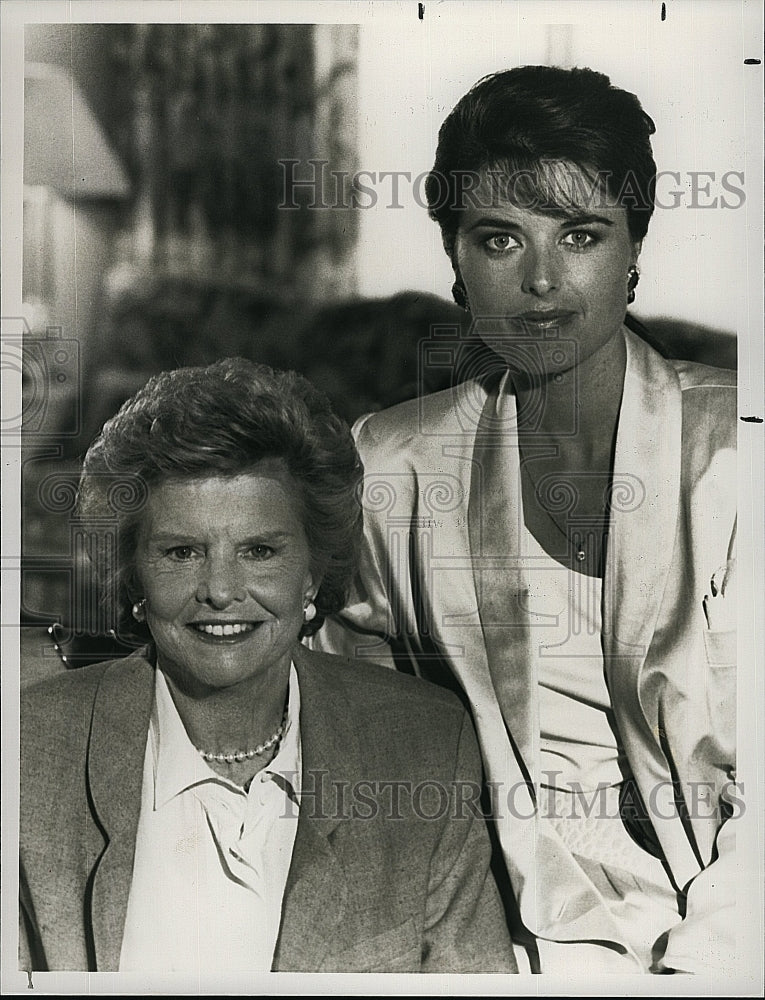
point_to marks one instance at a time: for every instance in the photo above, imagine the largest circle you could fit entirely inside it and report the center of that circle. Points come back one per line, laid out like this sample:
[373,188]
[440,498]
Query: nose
[540,276]
[221,582]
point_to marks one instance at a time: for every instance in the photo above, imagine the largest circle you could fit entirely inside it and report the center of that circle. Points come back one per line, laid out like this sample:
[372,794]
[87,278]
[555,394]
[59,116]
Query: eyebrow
[169,538]
[489,222]
[584,220]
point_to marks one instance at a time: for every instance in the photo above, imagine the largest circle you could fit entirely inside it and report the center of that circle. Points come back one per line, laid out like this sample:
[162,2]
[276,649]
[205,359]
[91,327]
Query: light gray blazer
[365,892]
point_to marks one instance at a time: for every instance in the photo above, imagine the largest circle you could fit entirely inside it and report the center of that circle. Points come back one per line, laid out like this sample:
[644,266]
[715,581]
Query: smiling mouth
[224,629]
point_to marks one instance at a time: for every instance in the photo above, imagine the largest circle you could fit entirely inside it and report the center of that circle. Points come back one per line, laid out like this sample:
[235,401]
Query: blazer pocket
[720,690]
[720,647]
[395,950]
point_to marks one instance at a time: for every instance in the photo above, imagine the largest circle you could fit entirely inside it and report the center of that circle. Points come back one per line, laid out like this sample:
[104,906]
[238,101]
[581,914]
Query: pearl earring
[139,612]
[309,612]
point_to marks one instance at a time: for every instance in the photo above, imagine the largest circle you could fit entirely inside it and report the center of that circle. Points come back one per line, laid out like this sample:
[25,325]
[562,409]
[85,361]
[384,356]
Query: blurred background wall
[156,234]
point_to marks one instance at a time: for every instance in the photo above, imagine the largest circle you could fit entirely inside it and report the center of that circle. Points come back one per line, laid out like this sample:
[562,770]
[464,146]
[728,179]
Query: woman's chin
[207,664]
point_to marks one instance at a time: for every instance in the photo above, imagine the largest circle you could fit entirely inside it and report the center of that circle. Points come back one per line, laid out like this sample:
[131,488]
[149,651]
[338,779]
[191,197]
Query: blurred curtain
[208,114]
[200,261]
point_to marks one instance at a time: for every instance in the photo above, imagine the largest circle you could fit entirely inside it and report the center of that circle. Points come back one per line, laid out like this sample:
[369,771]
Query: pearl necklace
[239,755]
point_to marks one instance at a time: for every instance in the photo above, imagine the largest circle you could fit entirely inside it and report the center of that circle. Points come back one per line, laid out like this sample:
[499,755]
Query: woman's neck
[578,409]
[240,717]
[568,452]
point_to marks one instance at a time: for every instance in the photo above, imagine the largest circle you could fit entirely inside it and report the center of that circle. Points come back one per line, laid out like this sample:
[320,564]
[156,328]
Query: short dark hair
[514,121]
[221,421]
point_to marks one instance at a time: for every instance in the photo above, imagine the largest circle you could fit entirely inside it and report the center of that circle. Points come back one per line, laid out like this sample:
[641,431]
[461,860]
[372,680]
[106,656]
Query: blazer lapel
[642,535]
[645,498]
[115,769]
[495,519]
[556,899]
[642,545]
[643,525]
[317,887]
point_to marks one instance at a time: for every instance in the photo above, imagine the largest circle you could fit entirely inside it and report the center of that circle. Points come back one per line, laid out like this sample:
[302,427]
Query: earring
[460,296]
[633,276]
[139,612]
[309,612]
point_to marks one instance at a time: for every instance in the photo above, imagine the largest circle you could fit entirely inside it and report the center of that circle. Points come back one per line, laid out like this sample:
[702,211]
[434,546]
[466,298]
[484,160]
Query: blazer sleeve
[705,940]
[465,926]
[360,631]
[31,955]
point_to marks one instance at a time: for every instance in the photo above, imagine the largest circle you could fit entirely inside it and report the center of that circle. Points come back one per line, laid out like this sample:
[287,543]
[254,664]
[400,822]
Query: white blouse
[578,742]
[580,752]
[211,860]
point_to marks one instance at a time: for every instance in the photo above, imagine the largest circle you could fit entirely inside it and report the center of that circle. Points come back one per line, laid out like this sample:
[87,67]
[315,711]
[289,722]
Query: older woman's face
[533,278]
[224,567]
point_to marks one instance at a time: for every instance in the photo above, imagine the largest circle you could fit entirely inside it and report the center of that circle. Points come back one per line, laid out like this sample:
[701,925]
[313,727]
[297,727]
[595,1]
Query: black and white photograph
[383,531]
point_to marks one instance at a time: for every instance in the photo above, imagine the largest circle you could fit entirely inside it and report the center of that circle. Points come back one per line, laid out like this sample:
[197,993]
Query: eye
[181,553]
[580,239]
[501,242]
[260,552]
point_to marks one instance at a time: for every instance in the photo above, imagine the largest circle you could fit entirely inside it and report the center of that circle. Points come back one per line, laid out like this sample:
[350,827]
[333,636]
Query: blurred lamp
[64,146]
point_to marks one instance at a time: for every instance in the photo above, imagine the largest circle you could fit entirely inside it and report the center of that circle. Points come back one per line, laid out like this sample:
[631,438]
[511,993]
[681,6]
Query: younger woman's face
[549,290]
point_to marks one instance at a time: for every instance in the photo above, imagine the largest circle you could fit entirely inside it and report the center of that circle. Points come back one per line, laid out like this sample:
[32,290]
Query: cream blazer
[441,592]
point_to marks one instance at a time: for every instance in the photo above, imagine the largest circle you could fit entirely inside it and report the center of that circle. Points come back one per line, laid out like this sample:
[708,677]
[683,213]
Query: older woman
[556,537]
[224,800]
